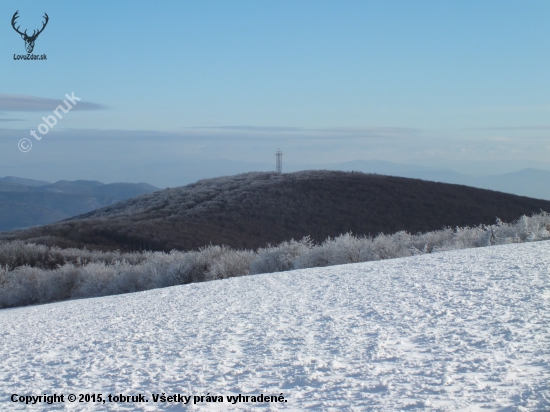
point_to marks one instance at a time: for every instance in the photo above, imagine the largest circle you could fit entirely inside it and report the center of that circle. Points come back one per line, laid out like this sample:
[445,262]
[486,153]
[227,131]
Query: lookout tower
[279,161]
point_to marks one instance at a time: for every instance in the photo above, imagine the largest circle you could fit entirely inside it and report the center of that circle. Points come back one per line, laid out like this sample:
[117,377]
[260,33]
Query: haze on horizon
[462,86]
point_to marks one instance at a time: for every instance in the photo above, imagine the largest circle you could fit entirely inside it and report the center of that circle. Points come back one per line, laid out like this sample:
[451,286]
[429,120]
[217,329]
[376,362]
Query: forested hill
[253,209]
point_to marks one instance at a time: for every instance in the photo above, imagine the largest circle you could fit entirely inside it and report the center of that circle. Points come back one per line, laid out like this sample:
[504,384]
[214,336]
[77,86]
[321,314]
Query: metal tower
[279,160]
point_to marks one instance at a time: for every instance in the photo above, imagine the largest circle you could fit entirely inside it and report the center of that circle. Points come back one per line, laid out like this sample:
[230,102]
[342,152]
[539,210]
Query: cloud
[9,120]
[511,128]
[253,128]
[330,133]
[21,103]
[372,132]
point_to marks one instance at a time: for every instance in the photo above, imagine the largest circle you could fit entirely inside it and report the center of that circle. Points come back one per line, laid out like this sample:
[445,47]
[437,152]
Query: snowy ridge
[453,331]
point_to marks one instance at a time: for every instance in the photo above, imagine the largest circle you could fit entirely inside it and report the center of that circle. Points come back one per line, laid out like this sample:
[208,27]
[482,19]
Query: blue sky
[425,82]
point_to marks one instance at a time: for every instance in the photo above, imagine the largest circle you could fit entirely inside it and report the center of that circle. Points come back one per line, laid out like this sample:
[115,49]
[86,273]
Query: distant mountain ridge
[19,181]
[526,180]
[253,209]
[27,202]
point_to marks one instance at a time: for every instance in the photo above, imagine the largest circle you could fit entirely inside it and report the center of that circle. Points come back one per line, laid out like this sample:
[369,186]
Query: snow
[455,331]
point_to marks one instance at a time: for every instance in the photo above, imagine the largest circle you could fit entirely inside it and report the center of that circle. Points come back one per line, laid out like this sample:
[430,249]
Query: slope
[463,330]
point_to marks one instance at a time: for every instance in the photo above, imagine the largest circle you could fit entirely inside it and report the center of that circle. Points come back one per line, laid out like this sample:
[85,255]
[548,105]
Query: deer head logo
[29,40]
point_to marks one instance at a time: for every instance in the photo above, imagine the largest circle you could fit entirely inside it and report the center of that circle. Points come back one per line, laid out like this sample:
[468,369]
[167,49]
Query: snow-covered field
[462,330]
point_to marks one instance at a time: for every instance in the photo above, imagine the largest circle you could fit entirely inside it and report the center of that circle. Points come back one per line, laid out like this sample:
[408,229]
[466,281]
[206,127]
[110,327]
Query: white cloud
[22,103]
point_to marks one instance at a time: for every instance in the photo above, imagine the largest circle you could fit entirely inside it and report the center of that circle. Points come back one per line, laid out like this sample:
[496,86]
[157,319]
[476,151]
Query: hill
[253,209]
[25,202]
[462,330]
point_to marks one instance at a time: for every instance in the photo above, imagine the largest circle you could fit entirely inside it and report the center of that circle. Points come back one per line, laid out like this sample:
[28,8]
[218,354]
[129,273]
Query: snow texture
[455,331]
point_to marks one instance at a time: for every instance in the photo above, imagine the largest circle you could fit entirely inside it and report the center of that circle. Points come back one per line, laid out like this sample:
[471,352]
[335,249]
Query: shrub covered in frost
[31,274]
[279,258]
[18,253]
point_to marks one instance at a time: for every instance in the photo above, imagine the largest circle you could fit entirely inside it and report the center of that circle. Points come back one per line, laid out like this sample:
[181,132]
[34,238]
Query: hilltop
[252,209]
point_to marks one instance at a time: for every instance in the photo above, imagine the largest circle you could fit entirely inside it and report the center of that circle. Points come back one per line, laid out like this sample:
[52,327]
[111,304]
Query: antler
[34,35]
[15,16]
